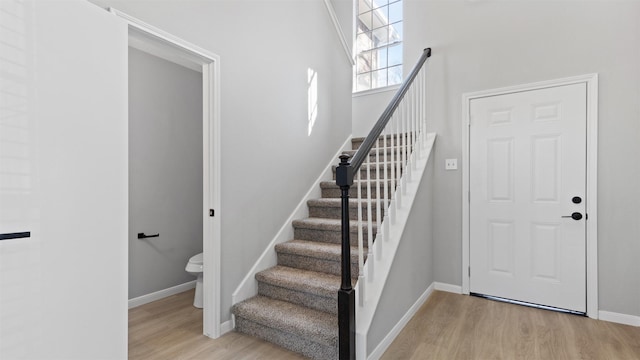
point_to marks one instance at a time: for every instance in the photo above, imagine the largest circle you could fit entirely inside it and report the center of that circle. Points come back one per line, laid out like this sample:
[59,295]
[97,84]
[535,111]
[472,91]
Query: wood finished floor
[450,326]
[447,326]
[171,329]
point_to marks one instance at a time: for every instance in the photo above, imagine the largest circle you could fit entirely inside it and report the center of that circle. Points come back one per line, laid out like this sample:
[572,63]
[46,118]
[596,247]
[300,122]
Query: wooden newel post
[346,294]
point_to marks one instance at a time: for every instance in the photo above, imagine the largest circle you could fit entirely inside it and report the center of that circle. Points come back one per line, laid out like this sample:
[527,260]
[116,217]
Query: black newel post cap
[344,172]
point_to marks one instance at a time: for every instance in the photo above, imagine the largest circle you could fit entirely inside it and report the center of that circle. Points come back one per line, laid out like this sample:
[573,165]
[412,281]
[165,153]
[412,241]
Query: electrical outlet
[451,164]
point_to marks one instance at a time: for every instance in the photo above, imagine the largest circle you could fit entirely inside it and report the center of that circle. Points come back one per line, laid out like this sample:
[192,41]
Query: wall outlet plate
[451,164]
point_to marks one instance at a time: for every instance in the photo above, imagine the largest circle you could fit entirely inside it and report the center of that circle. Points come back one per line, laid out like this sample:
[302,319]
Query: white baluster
[379,234]
[399,158]
[369,219]
[392,178]
[361,276]
[385,189]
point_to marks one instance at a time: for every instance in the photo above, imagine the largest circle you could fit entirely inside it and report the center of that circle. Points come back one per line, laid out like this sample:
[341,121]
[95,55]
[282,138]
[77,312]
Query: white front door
[527,177]
[63,181]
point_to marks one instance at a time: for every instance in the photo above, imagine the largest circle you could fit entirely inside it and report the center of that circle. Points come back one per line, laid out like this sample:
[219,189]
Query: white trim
[339,31]
[226,327]
[375,91]
[249,286]
[619,318]
[212,236]
[456,289]
[591,81]
[393,334]
[210,65]
[165,36]
[161,294]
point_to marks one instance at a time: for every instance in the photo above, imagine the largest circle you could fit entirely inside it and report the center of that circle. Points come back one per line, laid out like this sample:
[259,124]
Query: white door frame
[194,57]
[591,81]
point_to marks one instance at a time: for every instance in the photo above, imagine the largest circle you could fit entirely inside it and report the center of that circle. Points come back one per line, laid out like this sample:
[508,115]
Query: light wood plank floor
[448,326]
[171,329]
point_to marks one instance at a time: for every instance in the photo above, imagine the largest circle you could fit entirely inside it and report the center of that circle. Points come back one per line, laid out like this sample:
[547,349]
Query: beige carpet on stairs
[296,305]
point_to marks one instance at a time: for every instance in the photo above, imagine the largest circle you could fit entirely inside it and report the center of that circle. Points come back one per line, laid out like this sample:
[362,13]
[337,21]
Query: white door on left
[63,180]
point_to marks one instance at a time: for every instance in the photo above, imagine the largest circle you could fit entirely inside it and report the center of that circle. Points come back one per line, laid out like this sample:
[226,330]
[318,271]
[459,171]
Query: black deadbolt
[576,200]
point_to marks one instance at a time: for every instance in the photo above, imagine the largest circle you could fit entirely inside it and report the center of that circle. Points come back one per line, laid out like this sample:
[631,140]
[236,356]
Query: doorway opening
[150,40]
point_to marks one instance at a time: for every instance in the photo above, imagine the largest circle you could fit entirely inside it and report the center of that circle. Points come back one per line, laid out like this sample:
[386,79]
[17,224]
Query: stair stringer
[248,287]
[379,265]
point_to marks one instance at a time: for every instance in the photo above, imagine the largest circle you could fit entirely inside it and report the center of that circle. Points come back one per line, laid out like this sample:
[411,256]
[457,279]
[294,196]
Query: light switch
[451,164]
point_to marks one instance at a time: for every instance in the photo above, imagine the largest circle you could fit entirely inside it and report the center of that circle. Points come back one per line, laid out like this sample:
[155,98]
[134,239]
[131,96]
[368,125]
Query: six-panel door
[527,164]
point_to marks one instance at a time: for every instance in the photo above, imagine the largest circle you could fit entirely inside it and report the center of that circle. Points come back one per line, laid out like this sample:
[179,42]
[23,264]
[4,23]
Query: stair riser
[372,154]
[333,193]
[313,301]
[315,264]
[356,143]
[328,236]
[373,173]
[327,212]
[289,341]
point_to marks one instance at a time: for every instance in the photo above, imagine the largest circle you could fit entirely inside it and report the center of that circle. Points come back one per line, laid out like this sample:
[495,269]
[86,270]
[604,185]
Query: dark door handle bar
[17,235]
[144,236]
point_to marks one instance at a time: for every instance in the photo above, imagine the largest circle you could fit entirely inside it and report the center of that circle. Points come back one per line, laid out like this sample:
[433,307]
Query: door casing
[177,50]
[591,81]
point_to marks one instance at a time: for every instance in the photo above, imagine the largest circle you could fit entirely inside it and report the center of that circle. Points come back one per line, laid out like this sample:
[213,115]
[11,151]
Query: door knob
[574,216]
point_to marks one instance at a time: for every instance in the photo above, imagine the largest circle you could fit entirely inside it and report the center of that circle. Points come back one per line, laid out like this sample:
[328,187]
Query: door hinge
[469,268]
[469,196]
[211,212]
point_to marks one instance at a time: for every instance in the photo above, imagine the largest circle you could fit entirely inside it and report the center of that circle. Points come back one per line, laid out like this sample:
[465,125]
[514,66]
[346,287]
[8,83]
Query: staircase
[296,306]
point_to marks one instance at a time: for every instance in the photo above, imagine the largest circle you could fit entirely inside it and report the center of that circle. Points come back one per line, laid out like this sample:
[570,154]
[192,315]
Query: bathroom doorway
[167,151]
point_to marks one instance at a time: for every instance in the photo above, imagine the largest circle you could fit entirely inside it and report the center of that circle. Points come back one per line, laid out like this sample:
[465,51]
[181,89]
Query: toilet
[195,268]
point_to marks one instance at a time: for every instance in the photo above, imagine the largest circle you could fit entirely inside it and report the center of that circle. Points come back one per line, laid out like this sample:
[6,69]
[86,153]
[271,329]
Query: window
[378,44]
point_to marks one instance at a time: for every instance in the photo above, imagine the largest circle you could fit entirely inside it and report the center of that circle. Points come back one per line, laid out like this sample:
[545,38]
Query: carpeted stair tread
[381,150]
[331,208]
[328,224]
[318,326]
[329,189]
[337,202]
[314,282]
[315,249]
[331,184]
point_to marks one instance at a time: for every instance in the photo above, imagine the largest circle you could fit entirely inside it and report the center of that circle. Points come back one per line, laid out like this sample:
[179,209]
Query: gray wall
[483,45]
[269,160]
[165,171]
[488,44]
[412,270]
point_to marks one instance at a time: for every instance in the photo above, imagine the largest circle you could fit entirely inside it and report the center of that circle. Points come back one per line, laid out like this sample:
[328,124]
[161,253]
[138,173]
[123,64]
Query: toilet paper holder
[144,236]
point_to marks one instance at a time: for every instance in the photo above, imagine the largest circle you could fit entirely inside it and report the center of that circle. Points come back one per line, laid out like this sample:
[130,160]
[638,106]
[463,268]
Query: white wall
[488,44]
[269,159]
[165,172]
[412,270]
[367,109]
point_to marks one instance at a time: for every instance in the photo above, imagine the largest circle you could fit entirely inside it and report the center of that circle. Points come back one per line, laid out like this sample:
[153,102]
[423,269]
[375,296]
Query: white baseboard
[386,342]
[145,299]
[249,286]
[226,327]
[619,318]
[456,289]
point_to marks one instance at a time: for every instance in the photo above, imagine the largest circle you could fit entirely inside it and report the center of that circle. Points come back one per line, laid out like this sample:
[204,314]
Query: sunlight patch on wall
[312,98]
